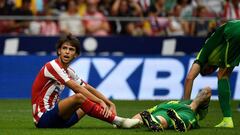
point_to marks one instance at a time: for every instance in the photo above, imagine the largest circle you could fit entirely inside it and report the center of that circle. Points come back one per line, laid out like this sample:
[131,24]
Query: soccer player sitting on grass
[50,112]
[180,115]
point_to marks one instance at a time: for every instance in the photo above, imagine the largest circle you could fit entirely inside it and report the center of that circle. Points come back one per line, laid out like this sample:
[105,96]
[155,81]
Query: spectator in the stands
[157,21]
[21,26]
[231,9]
[214,7]
[6,8]
[200,26]
[82,7]
[154,25]
[70,21]
[95,22]
[58,6]
[177,26]
[160,8]
[105,6]
[49,27]
[125,9]
[169,5]
[145,4]
[187,8]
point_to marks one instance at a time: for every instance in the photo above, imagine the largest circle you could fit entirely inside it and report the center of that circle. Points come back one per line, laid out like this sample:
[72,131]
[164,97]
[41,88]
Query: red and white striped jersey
[48,86]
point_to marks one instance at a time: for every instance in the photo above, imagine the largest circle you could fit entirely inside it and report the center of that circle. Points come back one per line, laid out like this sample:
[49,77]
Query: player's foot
[130,123]
[151,122]
[178,123]
[226,123]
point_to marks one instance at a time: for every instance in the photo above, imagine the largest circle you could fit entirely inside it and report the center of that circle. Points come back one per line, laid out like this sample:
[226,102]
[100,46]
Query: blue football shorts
[51,119]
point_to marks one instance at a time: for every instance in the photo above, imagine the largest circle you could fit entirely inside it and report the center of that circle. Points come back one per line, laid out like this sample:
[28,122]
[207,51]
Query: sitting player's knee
[79,98]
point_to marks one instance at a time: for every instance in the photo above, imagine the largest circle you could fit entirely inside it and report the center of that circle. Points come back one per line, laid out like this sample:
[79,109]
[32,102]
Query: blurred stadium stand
[115,17]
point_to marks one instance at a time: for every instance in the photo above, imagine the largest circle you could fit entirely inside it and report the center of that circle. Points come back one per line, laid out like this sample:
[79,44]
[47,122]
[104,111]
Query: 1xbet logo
[145,77]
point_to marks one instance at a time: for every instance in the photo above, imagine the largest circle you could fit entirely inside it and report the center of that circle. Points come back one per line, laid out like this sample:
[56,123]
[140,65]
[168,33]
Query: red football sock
[93,110]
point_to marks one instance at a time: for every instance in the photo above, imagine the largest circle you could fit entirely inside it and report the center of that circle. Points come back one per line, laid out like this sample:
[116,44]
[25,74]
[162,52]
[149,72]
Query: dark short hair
[70,39]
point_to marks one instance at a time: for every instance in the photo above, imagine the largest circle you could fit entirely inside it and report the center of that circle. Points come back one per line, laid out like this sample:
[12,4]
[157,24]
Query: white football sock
[118,120]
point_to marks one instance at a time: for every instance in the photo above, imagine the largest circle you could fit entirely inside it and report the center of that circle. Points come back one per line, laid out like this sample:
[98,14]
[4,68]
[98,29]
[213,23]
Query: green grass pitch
[16,119]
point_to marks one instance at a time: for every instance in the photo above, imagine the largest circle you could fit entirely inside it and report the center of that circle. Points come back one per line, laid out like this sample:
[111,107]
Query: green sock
[224,94]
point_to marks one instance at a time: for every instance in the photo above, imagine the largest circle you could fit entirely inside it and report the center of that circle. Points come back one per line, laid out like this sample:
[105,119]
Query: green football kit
[181,107]
[222,48]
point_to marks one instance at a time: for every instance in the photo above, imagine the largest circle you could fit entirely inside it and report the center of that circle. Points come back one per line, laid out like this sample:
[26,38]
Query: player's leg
[177,121]
[62,115]
[183,118]
[148,120]
[51,119]
[151,122]
[159,119]
[233,56]
[70,105]
[155,118]
[74,118]
[224,95]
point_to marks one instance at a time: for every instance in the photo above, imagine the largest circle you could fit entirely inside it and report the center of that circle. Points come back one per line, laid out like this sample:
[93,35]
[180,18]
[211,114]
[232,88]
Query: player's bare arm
[79,89]
[95,92]
[193,73]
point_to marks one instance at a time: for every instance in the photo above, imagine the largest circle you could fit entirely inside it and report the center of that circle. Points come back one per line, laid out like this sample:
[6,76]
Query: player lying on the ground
[180,115]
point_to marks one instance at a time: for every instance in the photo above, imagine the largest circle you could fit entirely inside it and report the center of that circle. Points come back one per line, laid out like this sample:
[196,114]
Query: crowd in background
[115,17]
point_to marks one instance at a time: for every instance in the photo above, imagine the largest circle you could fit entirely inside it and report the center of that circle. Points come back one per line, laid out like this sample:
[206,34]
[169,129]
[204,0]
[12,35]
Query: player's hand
[112,108]
[105,111]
